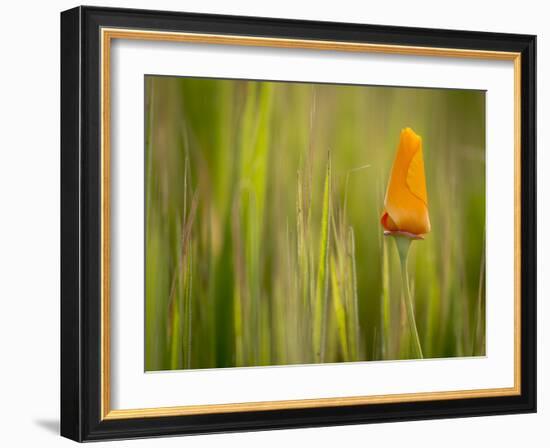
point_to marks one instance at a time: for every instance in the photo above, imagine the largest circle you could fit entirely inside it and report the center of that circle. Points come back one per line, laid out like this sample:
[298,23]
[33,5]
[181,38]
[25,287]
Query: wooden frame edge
[306,403]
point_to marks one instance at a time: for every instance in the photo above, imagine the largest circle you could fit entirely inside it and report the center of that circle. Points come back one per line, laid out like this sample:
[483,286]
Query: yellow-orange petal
[416,180]
[406,202]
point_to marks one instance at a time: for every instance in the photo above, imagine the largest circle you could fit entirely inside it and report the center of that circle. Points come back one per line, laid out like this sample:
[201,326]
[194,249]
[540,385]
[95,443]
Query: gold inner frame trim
[107,35]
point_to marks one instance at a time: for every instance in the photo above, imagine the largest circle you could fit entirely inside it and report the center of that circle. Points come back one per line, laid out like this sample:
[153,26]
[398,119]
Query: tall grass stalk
[355,327]
[339,310]
[321,295]
[180,277]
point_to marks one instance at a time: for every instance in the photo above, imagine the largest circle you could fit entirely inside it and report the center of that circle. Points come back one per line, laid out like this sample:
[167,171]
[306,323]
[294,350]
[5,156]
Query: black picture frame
[81,224]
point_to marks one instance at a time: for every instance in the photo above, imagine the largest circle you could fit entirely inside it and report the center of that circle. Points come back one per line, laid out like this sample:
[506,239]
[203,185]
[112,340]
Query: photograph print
[304,223]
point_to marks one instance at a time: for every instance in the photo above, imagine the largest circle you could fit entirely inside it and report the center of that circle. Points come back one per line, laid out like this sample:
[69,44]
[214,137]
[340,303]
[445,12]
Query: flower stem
[403,245]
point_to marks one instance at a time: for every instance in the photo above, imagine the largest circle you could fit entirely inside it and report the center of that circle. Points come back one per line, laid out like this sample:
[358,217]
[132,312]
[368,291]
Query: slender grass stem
[403,245]
[355,336]
[321,292]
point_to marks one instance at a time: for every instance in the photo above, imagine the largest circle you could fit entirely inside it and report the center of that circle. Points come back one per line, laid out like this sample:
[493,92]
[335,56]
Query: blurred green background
[263,241]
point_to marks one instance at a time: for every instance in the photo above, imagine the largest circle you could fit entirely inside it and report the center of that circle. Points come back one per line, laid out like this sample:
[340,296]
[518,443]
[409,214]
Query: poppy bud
[406,202]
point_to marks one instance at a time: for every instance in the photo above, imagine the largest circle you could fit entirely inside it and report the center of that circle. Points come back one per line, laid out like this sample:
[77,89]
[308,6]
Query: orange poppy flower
[406,202]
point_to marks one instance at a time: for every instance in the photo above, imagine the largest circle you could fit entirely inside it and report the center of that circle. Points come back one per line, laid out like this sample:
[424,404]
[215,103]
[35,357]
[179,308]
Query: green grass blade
[354,327]
[322,278]
[339,309]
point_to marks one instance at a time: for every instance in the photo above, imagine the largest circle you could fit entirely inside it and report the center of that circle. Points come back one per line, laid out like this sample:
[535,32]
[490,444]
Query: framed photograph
[275,224]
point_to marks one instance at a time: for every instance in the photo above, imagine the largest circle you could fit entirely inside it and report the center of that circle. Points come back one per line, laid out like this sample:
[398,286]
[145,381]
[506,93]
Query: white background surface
[133,388]
[29,228]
